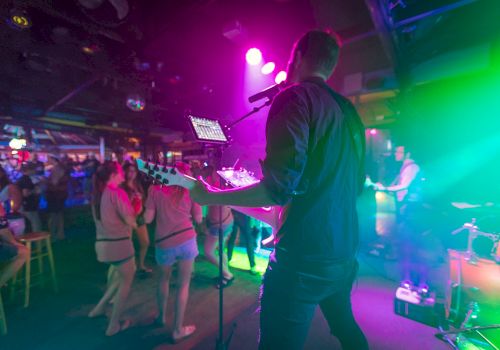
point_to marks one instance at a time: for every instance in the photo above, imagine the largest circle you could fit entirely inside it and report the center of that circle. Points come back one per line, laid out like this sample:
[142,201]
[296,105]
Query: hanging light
[19,19]
[136,102]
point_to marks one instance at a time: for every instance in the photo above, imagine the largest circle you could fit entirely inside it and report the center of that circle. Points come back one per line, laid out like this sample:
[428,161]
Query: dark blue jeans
[289,299]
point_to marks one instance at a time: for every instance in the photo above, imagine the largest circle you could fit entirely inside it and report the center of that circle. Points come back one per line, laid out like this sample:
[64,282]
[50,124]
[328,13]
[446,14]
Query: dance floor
[59,321]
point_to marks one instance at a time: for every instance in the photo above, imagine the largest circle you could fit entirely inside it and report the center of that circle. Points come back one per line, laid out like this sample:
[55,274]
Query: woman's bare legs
[111,288]
[162,293]
[142,235]
[209,246]
[14,265]
[183,281]
[125,273]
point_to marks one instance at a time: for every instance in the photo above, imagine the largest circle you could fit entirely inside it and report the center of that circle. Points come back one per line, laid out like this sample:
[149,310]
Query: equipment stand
[222,141]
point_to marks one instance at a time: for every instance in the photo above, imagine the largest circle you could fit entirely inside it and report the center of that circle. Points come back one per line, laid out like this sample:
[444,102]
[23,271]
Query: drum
[473,279]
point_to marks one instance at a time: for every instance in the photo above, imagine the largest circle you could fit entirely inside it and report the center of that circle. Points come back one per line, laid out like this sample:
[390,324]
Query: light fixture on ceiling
[253,56]
[19,19]
[17,144]
[268,68]
[280,77]
[90,49]
[136,102]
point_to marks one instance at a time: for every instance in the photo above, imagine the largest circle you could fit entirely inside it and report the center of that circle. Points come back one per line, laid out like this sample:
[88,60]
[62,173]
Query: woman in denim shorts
[175,241]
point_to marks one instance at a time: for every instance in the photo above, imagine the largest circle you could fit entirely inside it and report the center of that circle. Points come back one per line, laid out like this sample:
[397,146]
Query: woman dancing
[136,194]
[114,219]
[175,240]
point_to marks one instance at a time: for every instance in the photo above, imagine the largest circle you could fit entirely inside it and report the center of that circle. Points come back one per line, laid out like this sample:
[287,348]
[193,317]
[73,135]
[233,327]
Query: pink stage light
[373,131]
[254,56]
[268,68]
[280,77]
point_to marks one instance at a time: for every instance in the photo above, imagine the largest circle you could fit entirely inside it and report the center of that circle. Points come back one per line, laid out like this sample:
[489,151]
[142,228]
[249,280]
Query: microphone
[270,92]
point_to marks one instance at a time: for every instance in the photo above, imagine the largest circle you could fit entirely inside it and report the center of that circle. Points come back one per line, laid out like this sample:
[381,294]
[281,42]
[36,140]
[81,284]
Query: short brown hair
[319,49]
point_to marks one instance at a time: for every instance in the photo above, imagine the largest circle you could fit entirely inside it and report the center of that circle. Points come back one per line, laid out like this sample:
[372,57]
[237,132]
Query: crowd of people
[121,205]
[27,187]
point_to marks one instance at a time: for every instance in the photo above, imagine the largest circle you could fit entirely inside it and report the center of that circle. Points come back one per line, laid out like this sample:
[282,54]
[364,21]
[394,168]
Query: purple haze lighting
[254,56]
[373,131]
[280,77]
[268,68]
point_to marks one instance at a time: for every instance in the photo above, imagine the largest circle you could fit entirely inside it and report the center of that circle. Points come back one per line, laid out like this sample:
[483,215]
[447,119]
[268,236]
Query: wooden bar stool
[3,320]
[39,245]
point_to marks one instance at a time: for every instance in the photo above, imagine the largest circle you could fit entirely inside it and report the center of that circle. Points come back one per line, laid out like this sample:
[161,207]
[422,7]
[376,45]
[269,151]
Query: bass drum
[474,280]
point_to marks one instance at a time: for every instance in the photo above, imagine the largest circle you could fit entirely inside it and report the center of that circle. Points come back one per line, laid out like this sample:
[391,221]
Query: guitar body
[169,176]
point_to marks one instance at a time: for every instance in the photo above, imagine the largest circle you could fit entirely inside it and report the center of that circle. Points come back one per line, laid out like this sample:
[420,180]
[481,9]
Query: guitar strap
[355,128]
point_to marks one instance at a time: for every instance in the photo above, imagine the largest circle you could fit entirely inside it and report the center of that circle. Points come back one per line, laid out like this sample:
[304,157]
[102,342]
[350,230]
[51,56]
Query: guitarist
[314,165]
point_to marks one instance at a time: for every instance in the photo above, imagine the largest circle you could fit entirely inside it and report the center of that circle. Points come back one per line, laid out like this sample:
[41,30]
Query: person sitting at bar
[11,199]
[13,254]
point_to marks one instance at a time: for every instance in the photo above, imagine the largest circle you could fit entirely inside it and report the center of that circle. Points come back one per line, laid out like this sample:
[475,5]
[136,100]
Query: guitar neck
[187,182]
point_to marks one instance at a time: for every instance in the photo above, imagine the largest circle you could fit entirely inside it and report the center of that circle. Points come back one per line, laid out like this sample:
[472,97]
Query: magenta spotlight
[254,56]
[280,77]
[373,131]
[268,68]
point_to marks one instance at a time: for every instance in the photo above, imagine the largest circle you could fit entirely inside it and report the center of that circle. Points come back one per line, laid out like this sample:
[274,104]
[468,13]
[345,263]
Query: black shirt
[315,163]
[30,203]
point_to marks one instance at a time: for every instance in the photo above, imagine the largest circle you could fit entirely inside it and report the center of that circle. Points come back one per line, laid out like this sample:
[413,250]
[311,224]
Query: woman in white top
[114,218]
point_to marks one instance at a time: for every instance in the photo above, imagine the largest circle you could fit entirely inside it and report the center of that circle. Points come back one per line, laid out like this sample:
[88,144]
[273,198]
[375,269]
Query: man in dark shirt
[314,165]
[31,197]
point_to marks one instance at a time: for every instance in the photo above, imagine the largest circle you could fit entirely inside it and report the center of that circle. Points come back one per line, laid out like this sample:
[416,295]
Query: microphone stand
[253,111]
[220,343]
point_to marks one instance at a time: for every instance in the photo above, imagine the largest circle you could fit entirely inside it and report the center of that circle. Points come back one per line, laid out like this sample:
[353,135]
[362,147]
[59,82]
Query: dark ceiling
[174,53]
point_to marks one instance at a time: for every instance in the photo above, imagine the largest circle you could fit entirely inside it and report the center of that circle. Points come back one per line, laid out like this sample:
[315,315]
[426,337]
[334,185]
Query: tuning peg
[156,168]
[165,181]
[158,177]
[173,171]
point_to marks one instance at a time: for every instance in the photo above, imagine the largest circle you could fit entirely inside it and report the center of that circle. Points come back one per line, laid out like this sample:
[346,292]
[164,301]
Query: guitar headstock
[162,174]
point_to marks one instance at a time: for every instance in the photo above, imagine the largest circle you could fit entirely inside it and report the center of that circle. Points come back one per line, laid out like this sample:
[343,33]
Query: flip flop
[124,325]
[187,331]
[93,314]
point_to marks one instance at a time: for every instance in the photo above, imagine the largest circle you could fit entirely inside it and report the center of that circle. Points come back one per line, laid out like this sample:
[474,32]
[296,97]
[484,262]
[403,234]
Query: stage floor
[60,321]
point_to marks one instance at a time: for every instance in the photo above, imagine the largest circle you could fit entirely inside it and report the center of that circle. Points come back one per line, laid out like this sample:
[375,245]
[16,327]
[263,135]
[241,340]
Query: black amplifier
[423,310]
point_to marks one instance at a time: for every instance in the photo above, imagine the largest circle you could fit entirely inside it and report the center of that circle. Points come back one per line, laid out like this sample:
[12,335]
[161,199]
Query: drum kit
[473,298]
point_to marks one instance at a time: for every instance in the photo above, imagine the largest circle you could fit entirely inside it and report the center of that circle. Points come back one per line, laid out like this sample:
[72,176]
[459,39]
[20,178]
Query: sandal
[185,332]
[225,282]
[96,313]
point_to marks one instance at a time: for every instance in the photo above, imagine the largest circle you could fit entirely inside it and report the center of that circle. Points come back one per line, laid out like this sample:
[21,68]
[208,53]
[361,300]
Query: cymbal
[485,208]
